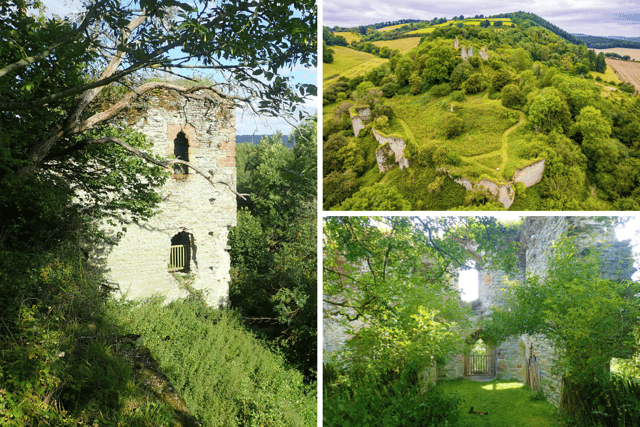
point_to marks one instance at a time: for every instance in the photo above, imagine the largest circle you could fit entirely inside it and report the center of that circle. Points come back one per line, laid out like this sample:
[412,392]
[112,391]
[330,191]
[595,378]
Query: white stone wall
[137,265]
[537,238]
[359,116]
[504,193]
[530,175]
[396,144]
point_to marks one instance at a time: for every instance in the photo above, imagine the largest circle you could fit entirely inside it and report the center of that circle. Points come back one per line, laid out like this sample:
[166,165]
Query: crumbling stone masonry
[536,238]
[195,216]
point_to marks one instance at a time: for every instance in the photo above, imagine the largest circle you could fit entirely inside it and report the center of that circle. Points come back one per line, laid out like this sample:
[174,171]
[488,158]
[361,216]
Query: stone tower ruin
[187,240]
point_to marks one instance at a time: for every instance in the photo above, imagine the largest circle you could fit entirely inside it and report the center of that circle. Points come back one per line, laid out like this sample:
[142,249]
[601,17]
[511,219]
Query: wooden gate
[532,377]
[177,258]
[480,366]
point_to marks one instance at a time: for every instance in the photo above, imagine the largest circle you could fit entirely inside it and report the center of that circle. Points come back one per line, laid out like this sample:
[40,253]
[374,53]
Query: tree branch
[65,40]
[141,90]
[161,163]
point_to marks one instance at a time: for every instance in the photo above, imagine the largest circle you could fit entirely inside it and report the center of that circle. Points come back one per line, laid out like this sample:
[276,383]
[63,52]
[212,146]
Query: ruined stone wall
[359,117]
[397,145]
[537,238]
[504,193]
[138,265]
[530,175]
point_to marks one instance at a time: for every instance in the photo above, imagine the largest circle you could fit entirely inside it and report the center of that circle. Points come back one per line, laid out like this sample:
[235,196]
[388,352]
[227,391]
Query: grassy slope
[483,144]
[507,402]
[349,36]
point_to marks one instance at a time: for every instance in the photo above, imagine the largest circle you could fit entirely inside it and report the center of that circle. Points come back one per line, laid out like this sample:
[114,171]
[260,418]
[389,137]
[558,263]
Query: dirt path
[503,148]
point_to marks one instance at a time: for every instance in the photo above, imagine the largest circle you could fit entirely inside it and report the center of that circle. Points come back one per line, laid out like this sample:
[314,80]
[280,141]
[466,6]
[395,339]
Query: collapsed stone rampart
[360,116]
[396,145]
[504,192]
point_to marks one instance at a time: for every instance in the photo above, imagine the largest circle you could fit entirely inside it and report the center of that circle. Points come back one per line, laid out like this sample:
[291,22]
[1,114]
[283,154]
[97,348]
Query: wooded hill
[535,97]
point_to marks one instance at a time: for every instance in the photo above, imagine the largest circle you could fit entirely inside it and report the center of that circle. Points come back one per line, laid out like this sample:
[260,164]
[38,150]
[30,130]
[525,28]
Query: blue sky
[593,17]
[246,122]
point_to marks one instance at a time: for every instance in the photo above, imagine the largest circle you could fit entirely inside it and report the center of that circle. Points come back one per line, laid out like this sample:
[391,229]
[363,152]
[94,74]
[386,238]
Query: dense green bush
[474,84]
[512,97]
[457,96]
[452,126]
[354,399]
[390,89]
[441,90]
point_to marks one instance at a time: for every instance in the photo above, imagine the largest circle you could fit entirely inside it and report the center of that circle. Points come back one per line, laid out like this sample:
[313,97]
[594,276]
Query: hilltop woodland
[388,282]
[70,353]
[537,96]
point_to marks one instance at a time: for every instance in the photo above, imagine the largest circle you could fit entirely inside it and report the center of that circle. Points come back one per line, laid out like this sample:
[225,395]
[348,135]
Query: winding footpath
[503,148]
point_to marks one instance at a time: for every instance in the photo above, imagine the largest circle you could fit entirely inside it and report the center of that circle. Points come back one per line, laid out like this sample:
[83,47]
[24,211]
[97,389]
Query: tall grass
[227,376]
[59,364]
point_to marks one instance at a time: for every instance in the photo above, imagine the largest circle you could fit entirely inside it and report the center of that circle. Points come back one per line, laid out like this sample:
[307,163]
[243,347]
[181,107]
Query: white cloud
[594,17]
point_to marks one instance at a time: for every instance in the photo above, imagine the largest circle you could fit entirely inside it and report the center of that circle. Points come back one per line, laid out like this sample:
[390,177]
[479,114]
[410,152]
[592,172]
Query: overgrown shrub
[457,96]
[608,401]
[452,126]
[474,84]
[441,90]
[362,400]
[390,89]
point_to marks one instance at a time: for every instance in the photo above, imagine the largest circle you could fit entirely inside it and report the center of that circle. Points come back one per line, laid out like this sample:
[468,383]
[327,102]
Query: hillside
[506,112]
[595,42]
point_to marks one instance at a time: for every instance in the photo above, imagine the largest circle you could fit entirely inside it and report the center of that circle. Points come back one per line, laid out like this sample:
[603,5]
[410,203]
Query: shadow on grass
[508,404]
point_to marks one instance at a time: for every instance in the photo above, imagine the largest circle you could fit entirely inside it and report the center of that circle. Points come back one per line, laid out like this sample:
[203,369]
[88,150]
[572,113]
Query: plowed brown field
[627,71]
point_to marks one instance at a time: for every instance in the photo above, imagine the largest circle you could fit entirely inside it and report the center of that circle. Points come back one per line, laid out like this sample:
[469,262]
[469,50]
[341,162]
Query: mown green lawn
[508,403]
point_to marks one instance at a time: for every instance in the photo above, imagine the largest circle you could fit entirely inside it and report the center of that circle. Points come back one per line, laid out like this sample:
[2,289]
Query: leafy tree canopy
[64,82]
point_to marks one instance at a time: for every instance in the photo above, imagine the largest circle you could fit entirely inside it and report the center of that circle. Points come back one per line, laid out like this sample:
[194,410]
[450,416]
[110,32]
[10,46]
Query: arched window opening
[180,257]
[181,150]
[479,348]
[468,282]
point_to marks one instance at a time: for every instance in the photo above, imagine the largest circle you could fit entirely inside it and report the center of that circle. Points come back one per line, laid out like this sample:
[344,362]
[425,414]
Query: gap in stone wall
[468,282]
[181,150]
[183,239]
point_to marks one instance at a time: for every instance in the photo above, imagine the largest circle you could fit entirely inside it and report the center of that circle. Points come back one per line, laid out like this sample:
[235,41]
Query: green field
[349,36]
[403,45]
[608,76]
[392,27]
[349,63]
[483,144]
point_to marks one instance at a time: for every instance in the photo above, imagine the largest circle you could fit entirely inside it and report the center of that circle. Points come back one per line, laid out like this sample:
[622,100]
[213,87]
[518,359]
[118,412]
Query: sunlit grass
[349,36]
[502,386]
[508,404]
[608,76]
